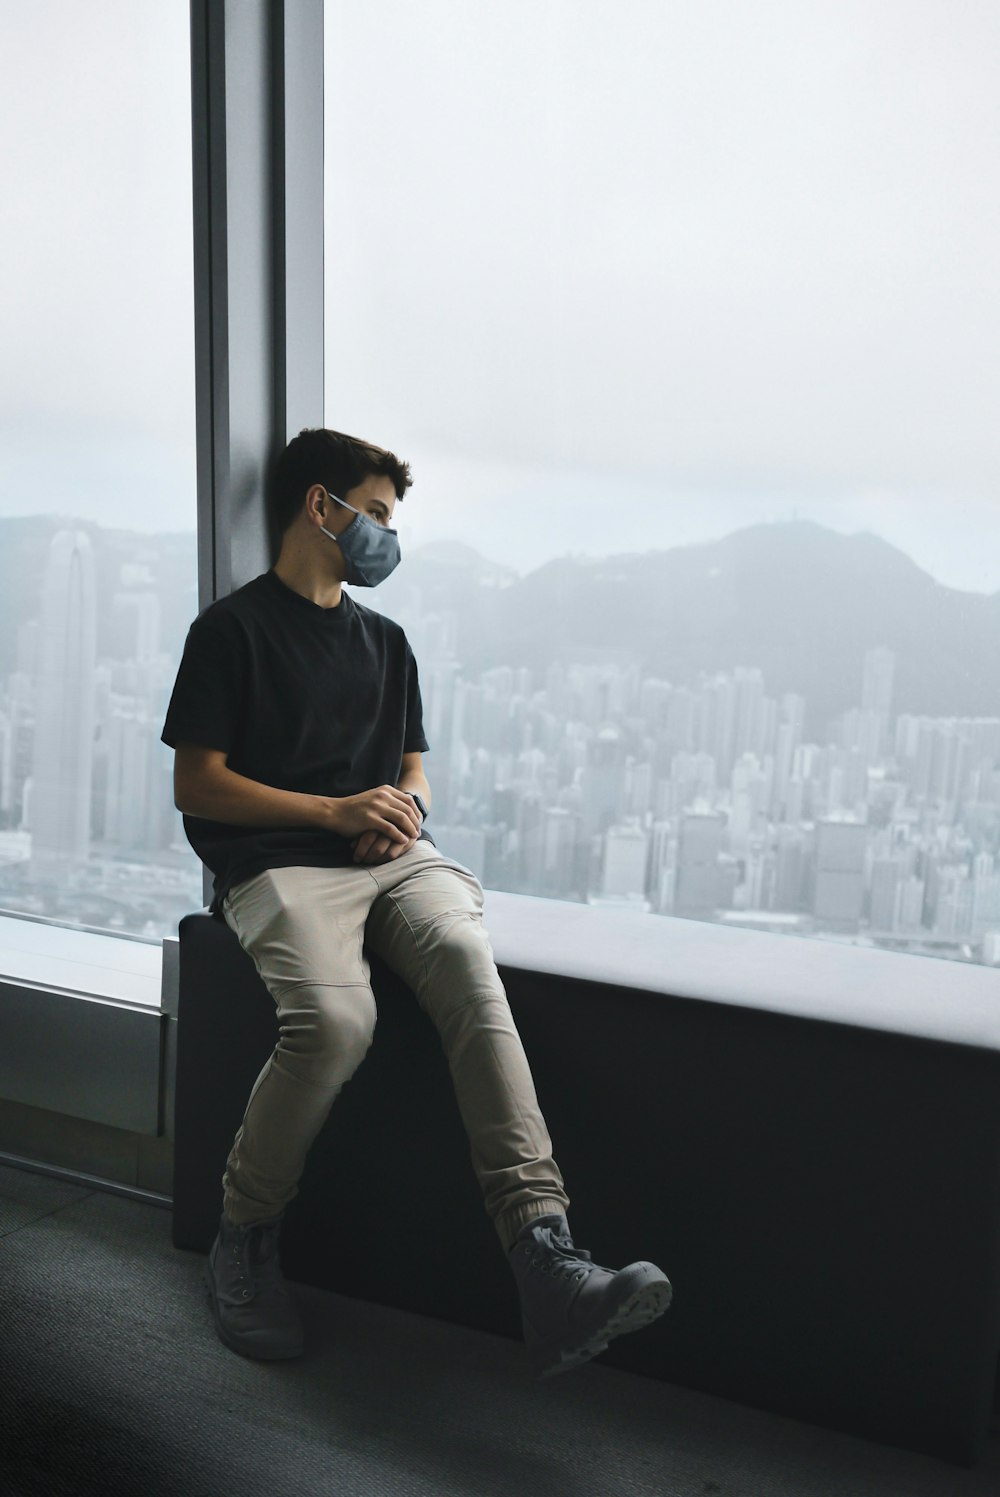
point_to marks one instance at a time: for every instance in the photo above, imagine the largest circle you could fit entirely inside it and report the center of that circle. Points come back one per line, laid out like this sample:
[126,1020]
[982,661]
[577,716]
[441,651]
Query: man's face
[375,497]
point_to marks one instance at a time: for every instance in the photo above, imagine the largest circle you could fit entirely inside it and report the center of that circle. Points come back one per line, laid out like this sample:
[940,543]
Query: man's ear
[316,499]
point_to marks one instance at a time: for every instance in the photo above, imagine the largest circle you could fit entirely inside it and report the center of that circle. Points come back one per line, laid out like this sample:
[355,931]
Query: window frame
[257,155]
[257,184]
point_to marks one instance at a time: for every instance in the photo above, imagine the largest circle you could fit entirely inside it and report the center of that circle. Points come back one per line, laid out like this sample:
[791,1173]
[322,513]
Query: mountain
[802,602]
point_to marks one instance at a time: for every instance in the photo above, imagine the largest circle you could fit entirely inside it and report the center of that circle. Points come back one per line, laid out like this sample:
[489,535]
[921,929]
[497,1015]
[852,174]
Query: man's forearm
[416,780]
[230,797]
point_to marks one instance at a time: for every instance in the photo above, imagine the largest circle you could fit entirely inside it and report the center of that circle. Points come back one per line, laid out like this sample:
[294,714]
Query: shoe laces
[254,1251]
[557,1256]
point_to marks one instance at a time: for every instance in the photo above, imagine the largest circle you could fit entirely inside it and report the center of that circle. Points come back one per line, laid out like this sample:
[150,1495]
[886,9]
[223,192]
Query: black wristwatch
[421,807]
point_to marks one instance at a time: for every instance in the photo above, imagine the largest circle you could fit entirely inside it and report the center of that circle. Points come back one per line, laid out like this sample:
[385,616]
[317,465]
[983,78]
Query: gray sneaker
[254,1312]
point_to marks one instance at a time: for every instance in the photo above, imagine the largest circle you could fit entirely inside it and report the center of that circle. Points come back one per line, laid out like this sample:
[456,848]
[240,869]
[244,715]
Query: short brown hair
[335,460]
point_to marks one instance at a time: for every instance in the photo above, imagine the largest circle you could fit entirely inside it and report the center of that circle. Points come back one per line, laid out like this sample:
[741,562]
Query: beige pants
[421,913]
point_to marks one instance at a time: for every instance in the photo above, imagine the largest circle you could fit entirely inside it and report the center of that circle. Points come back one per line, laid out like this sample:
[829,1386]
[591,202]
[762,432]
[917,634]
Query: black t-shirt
[318,700]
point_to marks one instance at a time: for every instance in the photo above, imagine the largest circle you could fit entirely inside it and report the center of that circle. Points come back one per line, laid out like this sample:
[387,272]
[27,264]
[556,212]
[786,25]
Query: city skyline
[590,781]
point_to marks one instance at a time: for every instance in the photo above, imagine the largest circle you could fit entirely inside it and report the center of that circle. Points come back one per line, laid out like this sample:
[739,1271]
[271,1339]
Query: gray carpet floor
[113,1382]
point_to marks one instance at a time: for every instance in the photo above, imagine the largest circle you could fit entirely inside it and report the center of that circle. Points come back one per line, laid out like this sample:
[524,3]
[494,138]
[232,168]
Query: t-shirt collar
[290,597]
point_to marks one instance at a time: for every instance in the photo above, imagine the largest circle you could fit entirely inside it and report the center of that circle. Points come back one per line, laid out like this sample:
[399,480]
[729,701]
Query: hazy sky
[681,266]
[96,378]
[611,275]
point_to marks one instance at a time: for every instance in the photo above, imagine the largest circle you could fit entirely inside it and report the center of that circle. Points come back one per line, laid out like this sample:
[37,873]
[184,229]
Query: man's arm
[412,778]
[370,847]
[204,786]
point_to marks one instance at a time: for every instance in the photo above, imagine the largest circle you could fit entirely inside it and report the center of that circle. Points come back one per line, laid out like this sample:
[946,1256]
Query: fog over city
[613,278]
[840,780]
[730,263]
[685,316]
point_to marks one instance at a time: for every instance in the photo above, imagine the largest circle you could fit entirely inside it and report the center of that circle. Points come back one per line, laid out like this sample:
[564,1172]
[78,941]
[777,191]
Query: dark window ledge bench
[804,1134]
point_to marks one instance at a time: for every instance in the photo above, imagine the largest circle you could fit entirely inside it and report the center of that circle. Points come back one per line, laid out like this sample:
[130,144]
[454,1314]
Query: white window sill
[895,992]
[59,959]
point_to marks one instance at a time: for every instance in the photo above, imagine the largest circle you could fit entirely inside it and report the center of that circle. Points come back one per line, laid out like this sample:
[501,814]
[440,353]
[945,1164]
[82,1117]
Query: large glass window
[686,317]
[98,560]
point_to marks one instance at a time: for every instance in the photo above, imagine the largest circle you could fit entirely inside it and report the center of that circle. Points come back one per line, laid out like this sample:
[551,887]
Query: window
[98,557]
[685,316]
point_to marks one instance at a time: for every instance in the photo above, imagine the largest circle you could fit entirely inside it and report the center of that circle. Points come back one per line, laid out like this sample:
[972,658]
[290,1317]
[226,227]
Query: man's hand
[385,810]
[371,848]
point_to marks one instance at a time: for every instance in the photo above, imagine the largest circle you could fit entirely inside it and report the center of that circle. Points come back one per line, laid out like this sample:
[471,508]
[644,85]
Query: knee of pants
[326,1028]
[462,951]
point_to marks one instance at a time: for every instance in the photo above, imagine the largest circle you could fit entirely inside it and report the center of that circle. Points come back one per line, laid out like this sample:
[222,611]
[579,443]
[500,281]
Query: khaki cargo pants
[421,913]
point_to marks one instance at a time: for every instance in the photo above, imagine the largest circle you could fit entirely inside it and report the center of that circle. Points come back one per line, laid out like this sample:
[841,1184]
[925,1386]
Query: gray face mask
[371,551]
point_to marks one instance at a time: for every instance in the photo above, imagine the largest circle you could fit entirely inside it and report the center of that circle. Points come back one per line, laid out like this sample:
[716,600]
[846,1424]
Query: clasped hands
[373,847]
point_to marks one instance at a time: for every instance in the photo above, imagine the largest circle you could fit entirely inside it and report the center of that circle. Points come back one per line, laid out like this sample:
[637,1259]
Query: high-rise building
[682,717]
[530,840]
[985,894]
[876,693]
[699,887]
[467,845]
[717,711]
[638,787]
[838,898]
[662,843]
[137,621]
[654,701]
[953,914]
[28,636]
[692,777]
[438,689]
[750,792]
[887,876]
[129,775]
[626,853]
[6,766]
[911,903]
[751,715]
[758,876]
[791,863]
[560,834]
[603,781]
[945,759]
[795,801]
[788,736]
[64,724]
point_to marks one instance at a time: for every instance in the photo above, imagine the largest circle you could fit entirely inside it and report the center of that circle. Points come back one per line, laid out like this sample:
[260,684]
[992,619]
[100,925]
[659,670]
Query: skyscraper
[64,724]
[876,692]
[699,888]
[840,873]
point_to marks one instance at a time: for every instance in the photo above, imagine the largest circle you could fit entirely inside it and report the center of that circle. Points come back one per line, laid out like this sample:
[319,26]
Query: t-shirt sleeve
[205,702]
[413,738]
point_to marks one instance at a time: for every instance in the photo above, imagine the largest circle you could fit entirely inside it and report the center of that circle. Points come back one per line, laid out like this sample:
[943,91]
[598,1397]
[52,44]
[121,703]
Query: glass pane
[686,318]
[98,558]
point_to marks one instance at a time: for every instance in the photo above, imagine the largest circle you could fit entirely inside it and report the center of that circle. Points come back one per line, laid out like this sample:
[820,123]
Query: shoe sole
[233,1342]
[644,1305]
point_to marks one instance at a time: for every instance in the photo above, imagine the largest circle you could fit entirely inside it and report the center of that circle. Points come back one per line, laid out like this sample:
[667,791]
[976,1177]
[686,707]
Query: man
[296,721]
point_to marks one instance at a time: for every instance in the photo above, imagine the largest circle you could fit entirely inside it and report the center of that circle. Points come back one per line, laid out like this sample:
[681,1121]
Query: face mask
[370,551]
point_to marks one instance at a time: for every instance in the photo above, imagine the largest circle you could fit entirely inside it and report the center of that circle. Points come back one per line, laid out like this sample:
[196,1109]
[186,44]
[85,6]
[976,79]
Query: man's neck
[302,579]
